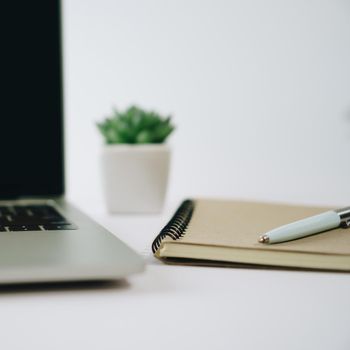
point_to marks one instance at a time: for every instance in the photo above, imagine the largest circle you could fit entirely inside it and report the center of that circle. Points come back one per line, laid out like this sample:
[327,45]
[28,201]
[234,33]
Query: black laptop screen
[31,100]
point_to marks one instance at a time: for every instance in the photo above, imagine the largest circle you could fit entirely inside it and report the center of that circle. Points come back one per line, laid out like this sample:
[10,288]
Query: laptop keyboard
[32,218]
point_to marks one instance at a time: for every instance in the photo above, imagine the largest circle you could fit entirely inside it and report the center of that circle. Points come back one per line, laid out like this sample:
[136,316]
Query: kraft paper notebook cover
[220,232]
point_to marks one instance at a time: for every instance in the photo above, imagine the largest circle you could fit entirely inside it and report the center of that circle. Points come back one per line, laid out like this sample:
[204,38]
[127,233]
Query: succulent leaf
[135,125]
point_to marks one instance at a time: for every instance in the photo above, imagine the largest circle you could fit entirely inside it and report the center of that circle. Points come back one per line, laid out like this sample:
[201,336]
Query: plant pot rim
[136,147]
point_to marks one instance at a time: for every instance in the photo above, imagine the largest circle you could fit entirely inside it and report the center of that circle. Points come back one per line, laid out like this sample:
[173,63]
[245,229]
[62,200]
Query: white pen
[309,226]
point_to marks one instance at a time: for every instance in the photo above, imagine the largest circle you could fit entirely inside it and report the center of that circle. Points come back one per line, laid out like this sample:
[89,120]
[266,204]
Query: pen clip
[344,215]
[345,223]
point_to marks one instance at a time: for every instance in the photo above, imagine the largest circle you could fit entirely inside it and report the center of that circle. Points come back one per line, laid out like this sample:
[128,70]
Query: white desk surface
[176,307]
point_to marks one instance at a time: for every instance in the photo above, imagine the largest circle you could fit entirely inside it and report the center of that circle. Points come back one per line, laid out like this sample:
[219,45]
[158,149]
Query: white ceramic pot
[135,177]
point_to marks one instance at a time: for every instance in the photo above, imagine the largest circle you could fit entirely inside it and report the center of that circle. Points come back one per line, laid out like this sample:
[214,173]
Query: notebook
[225,232]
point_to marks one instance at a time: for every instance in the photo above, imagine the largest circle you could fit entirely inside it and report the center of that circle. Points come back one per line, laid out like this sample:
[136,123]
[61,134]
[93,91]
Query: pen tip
[264,239]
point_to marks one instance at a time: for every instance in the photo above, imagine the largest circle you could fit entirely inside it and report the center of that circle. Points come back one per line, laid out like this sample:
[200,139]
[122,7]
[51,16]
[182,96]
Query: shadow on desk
[81,286]
[223,264]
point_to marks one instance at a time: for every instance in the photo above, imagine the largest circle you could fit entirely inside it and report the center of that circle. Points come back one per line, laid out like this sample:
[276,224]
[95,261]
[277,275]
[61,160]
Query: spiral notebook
[225,233]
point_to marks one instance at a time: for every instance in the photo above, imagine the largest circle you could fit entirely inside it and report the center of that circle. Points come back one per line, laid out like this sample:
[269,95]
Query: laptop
[42,237]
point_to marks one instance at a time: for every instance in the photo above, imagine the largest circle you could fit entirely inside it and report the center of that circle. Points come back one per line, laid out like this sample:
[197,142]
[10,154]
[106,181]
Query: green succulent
[135,125]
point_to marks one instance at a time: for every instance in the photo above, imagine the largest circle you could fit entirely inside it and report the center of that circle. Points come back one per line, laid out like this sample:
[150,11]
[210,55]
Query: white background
[259,92]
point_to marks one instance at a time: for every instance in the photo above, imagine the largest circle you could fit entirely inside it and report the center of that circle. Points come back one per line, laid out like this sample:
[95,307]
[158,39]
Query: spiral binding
[177,225]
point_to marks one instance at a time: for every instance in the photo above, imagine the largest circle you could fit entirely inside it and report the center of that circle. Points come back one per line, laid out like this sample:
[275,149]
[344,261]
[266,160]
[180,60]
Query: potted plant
[135,160]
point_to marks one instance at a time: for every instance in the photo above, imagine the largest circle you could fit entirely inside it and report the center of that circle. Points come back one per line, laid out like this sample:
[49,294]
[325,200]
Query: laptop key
[32,218]
[21,210]
[52,227]
[4,221]
[4,211]
[14,228]
[61,222]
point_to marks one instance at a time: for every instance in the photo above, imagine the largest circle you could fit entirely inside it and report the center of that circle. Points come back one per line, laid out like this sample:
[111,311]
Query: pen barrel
[305,227]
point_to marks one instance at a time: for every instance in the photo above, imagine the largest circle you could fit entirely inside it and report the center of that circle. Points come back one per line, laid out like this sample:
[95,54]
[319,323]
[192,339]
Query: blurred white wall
[259,91]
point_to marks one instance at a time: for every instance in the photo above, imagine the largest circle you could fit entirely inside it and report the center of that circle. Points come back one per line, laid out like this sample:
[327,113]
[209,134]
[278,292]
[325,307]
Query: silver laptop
[42,237]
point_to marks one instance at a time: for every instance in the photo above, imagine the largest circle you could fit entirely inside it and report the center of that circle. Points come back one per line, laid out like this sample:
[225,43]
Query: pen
[309,226]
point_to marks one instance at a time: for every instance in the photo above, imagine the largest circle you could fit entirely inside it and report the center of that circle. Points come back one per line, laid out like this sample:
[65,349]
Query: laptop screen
[31,130]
